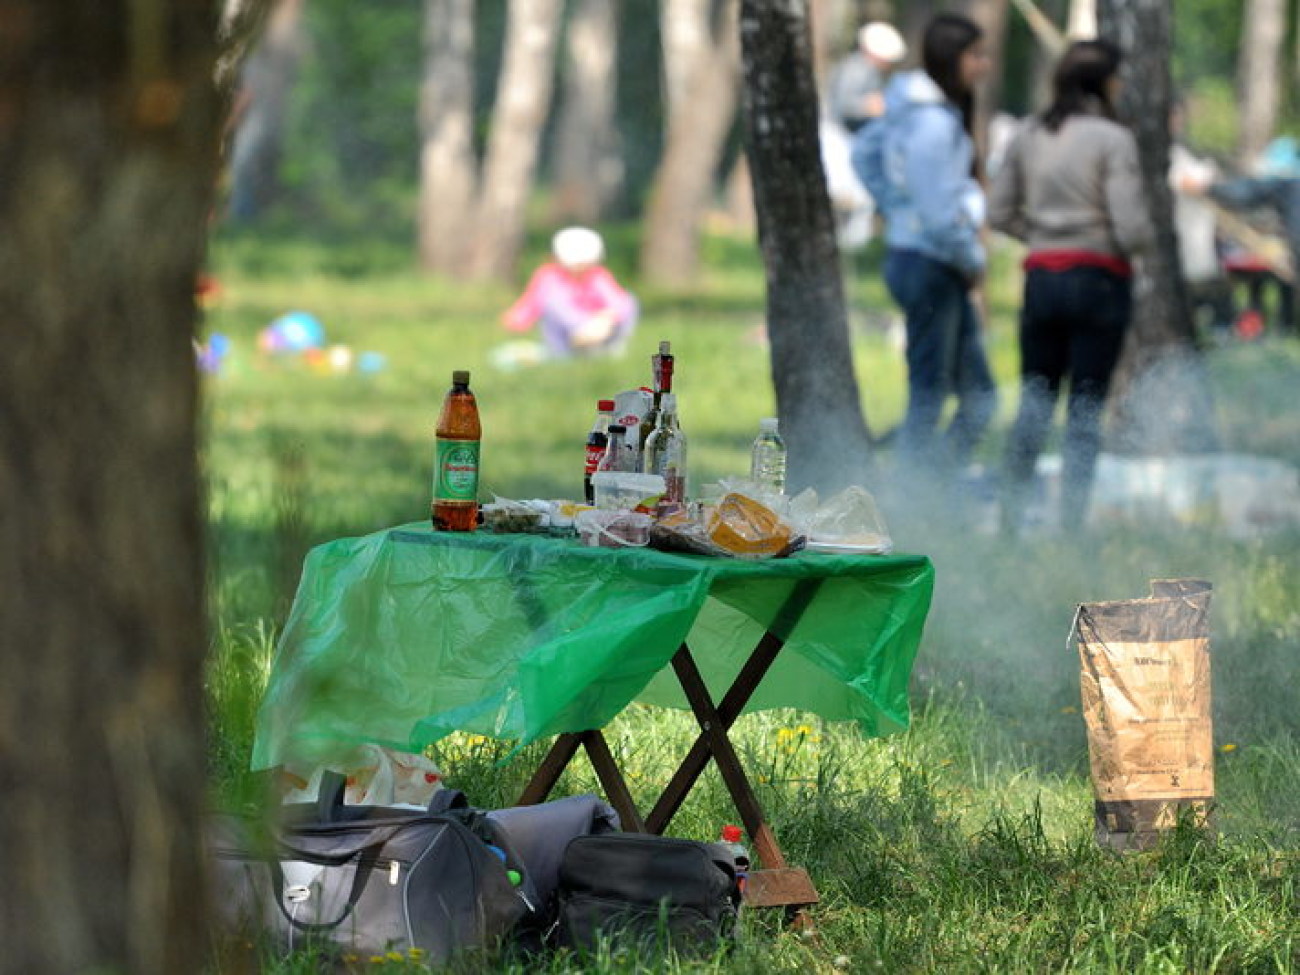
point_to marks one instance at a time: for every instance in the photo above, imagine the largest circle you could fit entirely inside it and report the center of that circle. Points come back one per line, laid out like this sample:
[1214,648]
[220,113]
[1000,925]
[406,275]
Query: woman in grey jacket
[918,165]
[1071,188]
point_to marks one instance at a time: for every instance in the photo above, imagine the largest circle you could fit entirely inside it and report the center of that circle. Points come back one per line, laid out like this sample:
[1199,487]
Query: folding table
[404,636]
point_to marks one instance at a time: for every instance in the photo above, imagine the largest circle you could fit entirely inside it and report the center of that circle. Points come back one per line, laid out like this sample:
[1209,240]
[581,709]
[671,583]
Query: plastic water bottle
[767,460]
[730,840]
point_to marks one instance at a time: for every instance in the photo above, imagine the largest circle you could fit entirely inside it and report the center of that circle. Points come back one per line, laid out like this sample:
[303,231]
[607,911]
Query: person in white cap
[582,310]
[857,87]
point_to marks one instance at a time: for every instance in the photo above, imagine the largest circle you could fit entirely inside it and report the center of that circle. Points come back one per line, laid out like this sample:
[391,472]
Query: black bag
[368,880]
[649,888]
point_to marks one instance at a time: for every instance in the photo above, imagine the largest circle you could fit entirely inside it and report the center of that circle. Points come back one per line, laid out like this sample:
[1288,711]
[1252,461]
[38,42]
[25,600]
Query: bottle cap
[617,428]
[605,405]
[768,424]
[460,377]
[665,348]
[731,834]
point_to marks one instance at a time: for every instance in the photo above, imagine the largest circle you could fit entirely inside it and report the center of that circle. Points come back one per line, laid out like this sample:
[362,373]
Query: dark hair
[1079,83]
[947,37]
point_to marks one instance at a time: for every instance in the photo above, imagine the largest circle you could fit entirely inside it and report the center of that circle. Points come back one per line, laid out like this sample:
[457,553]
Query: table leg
[548,772]
[733,702]
[602,760]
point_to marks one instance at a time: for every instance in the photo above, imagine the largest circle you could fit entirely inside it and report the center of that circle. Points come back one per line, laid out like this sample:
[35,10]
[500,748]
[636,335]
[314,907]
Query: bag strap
[365,866]
[445,800]
[329,798]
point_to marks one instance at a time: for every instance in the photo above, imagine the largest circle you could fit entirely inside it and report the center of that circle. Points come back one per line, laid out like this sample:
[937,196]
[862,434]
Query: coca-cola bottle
[456,457]
[597,440]
[665,451]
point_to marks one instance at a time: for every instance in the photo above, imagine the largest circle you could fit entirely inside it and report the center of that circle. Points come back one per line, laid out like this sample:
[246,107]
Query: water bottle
[767,460]
[730,840]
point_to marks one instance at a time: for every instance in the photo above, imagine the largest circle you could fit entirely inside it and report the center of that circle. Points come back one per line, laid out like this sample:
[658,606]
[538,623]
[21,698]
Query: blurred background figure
[582,310]
[1196,220]
[856,93]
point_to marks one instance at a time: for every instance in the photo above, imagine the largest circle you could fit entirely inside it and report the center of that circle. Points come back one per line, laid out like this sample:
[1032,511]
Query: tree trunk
[1162,399]
[446,122]
[588,169]
[1082,22]
[992,16]
[812,364]
[1259,75]
[701,107]
[262,105]
[109,137]
[523,98]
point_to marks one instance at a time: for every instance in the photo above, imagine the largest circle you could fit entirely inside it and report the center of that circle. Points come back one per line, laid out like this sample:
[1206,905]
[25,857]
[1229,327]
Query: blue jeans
[945,355]
[1072,324]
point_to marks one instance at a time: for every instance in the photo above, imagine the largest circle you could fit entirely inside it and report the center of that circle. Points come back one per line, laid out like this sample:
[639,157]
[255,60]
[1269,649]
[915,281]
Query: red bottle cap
[605,405]
[731,834]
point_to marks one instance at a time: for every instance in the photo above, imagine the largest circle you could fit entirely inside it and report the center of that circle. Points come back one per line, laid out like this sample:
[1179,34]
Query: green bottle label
[455,470]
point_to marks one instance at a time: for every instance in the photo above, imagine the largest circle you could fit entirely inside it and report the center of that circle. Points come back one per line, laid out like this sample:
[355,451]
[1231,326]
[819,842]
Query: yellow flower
[1229,747]
[415,954]
[377,959]
[395,956]
[804,730]
[784,734]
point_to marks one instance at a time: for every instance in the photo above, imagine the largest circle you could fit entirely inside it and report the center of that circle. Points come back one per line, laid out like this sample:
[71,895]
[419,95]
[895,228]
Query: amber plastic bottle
[455,463]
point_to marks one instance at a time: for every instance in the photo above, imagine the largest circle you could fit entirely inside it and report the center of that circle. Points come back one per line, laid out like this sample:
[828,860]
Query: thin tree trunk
[523,98]
[699,117]
[992,16]
[812,365]
[446,121]
[1162,398]
[263,107]
[588,170]
[108,150]
[1082,22]
[1259,75]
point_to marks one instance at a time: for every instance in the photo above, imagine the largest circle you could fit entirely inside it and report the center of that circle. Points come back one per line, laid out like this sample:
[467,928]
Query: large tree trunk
[523,98]
[812,363]
[1162,399]
[1259,75]
[262,105]
[108,146]
[701,77]
[588,170]
[446,120]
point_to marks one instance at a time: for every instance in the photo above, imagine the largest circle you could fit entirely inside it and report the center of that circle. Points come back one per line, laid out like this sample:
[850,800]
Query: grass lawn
[962,845]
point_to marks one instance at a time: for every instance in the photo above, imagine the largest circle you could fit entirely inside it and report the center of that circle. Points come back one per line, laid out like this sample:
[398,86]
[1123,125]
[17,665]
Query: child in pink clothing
[582,309]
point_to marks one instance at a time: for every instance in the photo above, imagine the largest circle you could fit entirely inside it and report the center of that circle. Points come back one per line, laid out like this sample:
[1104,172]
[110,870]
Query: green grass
[962,845]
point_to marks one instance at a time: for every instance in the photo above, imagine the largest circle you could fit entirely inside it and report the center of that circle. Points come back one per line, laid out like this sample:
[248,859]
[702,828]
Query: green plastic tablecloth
[401,637]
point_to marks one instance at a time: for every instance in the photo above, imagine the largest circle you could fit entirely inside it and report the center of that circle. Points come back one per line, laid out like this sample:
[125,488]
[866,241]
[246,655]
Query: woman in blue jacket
[919,165]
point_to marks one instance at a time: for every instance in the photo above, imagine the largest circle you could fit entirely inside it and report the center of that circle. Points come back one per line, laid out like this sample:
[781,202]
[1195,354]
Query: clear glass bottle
[619,454]
[767,459]
[665,451]
[661,367]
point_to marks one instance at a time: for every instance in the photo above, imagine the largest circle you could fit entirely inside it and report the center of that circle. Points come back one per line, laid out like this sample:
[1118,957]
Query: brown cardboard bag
[1145,682]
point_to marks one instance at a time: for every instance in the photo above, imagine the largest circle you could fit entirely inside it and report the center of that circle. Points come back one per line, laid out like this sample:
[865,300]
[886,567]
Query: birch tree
[1259,74]
[108,149]
[812,365]
[701,63]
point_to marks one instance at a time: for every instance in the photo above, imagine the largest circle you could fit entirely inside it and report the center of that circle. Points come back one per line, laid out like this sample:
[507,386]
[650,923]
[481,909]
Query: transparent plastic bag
[848,522]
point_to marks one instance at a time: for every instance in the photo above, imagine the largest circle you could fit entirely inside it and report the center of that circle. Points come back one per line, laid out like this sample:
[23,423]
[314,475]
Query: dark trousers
[945,356]
[1072,324]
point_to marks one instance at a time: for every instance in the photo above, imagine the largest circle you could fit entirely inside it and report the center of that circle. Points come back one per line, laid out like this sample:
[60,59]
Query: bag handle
[365,866]
[445,800]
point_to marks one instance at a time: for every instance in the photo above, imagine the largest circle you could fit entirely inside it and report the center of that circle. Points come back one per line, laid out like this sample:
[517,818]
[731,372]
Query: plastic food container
[626,491]
[613,529]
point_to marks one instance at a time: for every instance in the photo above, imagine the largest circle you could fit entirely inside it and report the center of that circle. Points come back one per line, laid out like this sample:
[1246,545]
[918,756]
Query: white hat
[881,41]
[577,246]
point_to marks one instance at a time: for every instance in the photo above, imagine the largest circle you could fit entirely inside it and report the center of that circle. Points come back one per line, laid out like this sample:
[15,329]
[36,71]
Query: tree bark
[1162,400]
[446,123]
[262,106]
[992,16]
[1259,75]
[702,81]
[588,170]
[109,130]
[523,98]
[812,364]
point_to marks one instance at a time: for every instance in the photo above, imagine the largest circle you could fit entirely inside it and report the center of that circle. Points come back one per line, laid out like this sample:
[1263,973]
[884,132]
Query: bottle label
[594,454]
[455,470]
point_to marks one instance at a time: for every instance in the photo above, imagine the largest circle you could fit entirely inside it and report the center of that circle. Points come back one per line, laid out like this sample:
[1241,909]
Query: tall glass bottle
[665,452]
[661,365]
[456,458]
